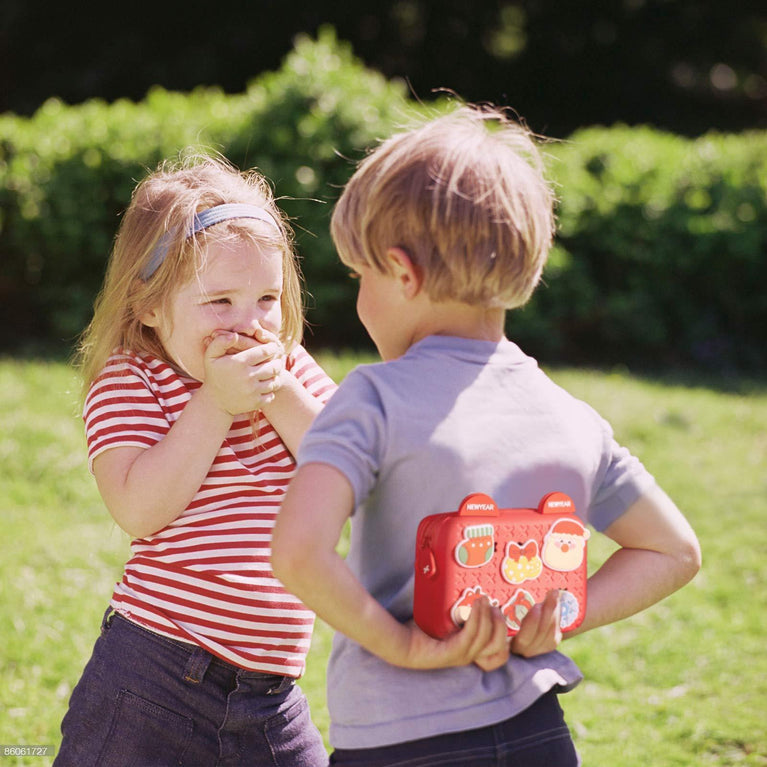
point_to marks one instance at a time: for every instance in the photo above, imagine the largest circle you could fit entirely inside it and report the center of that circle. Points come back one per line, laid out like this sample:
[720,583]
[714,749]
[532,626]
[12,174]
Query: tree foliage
[659,255]
[682,65]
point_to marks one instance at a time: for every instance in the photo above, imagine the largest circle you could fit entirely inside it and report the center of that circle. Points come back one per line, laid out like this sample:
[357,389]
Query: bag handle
[478,505]
[556,503]
[482,505]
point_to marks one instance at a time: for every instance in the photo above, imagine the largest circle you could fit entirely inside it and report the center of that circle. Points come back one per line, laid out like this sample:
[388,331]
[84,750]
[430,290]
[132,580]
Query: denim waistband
[199,660]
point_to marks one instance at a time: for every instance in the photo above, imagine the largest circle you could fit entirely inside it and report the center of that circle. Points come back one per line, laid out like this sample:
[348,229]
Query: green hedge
[67,173]
[662,251]
[660,257]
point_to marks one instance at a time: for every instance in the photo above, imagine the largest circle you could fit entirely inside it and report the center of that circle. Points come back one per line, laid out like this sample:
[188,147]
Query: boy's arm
[659,553]
[318,503]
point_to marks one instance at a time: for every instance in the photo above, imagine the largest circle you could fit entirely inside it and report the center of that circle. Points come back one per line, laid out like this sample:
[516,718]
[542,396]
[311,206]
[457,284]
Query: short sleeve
[349,434]
[121,409]
[310,375]
[623,480]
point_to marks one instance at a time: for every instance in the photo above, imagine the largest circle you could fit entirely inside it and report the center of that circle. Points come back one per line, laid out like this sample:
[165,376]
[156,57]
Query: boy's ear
[408,274]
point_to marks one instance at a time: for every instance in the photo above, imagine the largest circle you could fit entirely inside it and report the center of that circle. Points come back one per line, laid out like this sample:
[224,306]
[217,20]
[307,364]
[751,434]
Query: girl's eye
[268,298]
[221,301]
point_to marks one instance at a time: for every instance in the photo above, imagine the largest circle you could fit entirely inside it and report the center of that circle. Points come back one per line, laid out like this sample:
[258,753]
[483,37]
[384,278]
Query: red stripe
[214,585]
[222,612]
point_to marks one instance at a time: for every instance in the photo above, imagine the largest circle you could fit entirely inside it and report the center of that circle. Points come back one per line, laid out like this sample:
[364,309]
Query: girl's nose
[248,323]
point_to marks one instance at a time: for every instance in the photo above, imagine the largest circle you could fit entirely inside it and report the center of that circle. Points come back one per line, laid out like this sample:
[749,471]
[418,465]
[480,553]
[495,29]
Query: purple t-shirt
[414,436]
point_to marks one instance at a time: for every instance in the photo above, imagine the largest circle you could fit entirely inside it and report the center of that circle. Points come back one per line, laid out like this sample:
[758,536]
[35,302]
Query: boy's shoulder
[434,366]
[445,352]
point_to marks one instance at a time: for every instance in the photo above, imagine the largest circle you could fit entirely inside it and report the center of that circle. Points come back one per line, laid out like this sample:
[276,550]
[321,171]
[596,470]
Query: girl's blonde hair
[465,196]
[163,205]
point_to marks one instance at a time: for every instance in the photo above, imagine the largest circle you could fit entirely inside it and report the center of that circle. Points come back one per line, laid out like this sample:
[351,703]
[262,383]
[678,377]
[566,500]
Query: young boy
[446,227]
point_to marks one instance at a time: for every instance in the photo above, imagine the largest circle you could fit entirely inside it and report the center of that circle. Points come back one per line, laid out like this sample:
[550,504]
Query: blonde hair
[162,207]
[465,196]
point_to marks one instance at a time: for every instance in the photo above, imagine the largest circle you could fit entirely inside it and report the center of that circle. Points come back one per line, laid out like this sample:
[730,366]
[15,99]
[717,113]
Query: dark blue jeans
[537,737]
[148,701]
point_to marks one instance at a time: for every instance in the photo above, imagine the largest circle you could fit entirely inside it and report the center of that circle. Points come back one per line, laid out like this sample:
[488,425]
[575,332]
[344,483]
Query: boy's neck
[462,321]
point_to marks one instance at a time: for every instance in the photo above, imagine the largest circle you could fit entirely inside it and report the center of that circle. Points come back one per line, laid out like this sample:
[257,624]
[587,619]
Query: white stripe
[249,625]
[134,574]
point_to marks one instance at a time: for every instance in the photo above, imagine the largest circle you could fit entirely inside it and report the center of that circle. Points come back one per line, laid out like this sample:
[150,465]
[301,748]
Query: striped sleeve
[123,407]
[314,379]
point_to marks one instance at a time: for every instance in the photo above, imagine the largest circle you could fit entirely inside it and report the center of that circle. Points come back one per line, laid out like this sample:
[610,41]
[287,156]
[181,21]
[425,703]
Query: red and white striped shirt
[206,577]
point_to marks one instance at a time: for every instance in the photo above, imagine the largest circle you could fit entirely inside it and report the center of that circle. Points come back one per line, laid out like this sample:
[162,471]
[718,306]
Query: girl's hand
[539,631]
[481,640]
[242,372]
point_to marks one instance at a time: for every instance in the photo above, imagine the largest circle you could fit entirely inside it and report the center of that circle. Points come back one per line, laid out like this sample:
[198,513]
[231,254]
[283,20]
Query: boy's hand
[539,631]
[243,372]
[481,640]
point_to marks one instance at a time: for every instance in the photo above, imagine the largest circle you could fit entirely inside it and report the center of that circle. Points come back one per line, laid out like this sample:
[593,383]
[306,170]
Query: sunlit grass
[684,683]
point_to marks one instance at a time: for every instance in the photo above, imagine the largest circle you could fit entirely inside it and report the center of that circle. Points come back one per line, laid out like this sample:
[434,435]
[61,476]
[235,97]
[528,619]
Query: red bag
[512,556]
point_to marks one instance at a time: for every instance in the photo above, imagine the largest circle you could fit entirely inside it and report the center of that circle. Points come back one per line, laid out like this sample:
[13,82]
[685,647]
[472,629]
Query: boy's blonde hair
[163,205]
[465,197]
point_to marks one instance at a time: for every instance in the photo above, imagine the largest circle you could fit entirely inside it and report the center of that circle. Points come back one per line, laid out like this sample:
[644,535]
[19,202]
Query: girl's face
[239,289]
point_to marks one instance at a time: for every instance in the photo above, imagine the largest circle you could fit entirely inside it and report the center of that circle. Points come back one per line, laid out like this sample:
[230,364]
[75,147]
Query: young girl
[198,394]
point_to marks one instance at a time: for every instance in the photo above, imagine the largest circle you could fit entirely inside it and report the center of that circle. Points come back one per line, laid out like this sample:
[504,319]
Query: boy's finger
[531,624]
[529,631]
[477,630]
[493,642]
[550,612]
[496,652]
[539,631]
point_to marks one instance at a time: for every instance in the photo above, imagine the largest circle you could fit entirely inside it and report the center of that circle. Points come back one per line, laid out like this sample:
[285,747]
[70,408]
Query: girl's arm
[146,489]
[318,503]
[659,554]
[292,410]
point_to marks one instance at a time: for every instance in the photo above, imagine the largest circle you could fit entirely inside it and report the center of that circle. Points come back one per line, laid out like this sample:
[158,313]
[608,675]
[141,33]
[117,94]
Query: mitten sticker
[477,547]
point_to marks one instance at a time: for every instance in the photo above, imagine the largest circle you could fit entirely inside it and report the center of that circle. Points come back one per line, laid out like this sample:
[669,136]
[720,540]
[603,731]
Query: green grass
[684,683]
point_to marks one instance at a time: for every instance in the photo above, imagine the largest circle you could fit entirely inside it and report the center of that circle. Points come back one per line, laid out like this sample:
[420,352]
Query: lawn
[684,683]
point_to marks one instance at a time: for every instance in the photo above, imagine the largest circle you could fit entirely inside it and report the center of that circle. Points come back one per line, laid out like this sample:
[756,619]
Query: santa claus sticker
[564,546]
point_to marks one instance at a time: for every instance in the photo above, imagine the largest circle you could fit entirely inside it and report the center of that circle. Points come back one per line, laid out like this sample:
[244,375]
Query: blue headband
[201,221]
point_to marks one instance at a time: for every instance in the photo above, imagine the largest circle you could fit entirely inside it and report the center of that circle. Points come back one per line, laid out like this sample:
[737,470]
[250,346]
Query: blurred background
[660,106]
[683,65]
